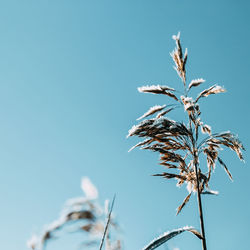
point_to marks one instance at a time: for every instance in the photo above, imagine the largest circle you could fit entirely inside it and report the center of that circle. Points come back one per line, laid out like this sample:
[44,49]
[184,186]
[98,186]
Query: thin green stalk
[107,224]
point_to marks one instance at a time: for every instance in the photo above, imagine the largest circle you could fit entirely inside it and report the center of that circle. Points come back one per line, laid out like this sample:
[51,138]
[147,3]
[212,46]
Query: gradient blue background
[69,70]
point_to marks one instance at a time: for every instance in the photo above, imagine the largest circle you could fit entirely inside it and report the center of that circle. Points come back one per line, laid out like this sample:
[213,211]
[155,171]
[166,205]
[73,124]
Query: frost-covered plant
[180,144]
[83,214]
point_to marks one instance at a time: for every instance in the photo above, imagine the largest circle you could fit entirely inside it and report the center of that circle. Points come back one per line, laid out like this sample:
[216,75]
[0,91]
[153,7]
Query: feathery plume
[215,89]
[152,111]
[89,189]
[195,83]
[155,89]
[183,204]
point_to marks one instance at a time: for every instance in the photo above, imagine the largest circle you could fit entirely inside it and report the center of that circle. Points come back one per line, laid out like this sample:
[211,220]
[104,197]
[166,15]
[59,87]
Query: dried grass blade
[225,168]
[171,176]
[195,83]
[171,95]
[168,165]
[155,89]
[196,233]
[206,129]
[147,141]
[152,111]
[211,192]
[164,112]
[185,59]
[215,89]
[169,235]
[186,200]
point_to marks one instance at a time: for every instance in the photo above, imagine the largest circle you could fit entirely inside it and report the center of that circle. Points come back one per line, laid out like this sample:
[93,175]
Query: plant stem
[107,224]
[204,246]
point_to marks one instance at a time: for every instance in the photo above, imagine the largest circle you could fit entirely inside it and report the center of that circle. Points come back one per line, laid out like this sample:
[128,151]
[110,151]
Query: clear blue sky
[69,72]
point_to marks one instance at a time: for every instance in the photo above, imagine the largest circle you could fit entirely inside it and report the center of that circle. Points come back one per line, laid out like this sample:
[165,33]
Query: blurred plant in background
[83,214]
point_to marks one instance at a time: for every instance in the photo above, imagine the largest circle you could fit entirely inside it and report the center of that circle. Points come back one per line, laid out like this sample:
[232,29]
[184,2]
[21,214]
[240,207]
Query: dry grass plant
[180,145]
[83,214]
